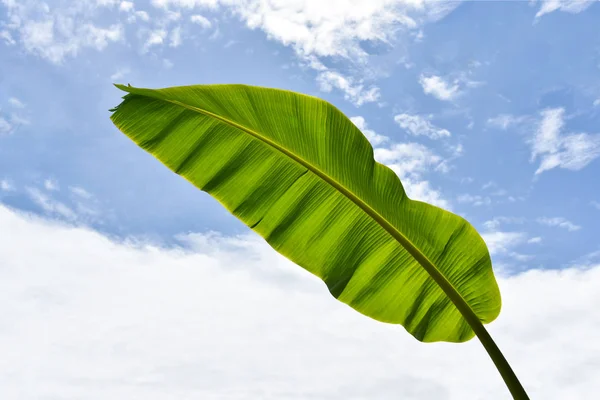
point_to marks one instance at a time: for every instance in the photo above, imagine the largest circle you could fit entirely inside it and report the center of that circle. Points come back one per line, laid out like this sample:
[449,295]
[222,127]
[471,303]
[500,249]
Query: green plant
[299,173]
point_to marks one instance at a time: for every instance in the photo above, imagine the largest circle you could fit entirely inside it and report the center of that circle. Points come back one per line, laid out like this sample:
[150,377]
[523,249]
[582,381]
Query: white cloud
[596,103]
[155,38]
[143,15]
[59,32]
[355,92]
[408,158]
[9,122]
[51,206]
[420,126]
[188,3]
[589,260]
[51,184]
[595,204]
[126,6]
[94,318]
[6,185]
[13,101]
[456,150]
[85,204]
[475,200]
[336,27]
[175,37]
[81,206]
[312,28]
[105,3]
[547,137]
[489,185]
[422,190]
[373,136]
[168,64]
[7,37]
[495,222]
[230,43]
[333,28]
[410,161]
[80,192]
[317,29]
[120,73]
[439,88]
[505,121]
[570,6]
[5,127]
[502,242]
[569,151]
[559,222]
[200,20]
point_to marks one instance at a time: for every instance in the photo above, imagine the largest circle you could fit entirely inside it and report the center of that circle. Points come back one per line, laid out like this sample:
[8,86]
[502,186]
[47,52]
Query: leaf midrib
[460,303]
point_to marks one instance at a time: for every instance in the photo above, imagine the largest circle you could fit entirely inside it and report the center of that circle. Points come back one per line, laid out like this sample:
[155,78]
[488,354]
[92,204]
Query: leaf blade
[291,167]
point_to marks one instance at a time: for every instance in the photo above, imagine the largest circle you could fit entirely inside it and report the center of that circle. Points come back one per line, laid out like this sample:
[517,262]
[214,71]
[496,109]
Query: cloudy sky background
[120,280]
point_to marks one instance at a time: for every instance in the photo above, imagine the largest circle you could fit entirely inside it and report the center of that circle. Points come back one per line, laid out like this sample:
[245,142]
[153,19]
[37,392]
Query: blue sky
[489,109]
[484,73]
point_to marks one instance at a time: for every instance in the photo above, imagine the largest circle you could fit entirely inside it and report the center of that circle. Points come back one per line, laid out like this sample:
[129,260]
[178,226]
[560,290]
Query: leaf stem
[510,379]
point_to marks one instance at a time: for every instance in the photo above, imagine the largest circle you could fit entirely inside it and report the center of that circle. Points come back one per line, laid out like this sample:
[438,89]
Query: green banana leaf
[298,172]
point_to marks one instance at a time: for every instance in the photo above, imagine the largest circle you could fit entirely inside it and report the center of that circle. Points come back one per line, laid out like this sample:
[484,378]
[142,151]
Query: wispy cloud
[51,206]
[80,192]
[417,125]
[439,88]
[410,161]
[5,126]
[373,137]
[51,184]
[119,74]
[6,185]
[13,117]
[201,20]
[311,28]
[502,246]
[175,38]
[475,200]
[320,30]
[155,37]
[76,205]
[85,204]
[59,32]
[570,6]
[505,121]
[496,222]
[356,92]
[557,150]
[559,222]
[126,6]
[589,260]
[13,101]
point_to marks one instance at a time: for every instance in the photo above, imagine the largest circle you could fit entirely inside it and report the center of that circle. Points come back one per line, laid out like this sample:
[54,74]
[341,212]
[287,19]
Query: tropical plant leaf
[299,173]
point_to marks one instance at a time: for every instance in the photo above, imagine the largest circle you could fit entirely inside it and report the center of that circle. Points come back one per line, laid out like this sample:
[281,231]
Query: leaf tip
[122,87]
